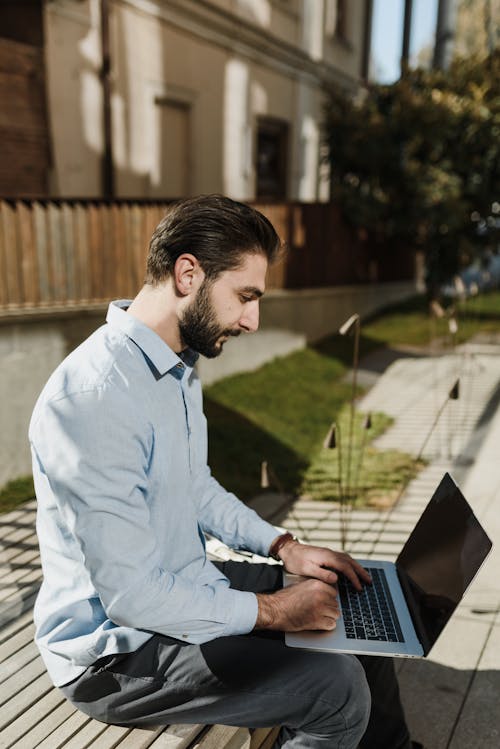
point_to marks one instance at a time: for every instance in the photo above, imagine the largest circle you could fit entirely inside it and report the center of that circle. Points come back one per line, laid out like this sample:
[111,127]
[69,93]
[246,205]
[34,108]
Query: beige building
[166,98]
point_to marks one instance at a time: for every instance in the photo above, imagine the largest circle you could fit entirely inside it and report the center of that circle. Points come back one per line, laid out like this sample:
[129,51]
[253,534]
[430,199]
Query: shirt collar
[157,352]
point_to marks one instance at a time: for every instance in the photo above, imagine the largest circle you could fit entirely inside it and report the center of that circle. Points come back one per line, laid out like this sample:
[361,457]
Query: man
[135,625]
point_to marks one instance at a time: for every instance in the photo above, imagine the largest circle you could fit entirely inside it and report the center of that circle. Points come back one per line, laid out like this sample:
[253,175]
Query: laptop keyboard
[370,614]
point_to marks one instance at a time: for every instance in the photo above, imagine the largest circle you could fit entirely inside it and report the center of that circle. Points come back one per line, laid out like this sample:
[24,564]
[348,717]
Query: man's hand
[310,604]
[318,562]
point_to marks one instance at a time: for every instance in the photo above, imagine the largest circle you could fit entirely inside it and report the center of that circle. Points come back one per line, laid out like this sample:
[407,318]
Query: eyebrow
[251,290]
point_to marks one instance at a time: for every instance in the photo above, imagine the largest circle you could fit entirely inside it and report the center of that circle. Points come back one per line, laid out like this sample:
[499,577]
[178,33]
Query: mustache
[233,333]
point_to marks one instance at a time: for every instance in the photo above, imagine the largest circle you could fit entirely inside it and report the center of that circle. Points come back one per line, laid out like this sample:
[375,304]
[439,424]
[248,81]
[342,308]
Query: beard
[199,327]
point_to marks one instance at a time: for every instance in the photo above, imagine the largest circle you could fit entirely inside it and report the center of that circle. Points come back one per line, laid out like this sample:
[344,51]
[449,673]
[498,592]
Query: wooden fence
[82,252]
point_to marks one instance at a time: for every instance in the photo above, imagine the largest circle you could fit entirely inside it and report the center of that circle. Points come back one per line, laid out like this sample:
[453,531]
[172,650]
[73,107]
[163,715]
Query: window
[271,158]
[336,19]
[171,173]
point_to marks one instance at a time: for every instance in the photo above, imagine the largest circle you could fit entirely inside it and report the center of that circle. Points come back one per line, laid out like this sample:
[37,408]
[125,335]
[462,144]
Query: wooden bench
[35,714]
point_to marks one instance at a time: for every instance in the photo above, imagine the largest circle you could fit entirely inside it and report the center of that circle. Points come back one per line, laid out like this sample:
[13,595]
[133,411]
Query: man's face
[225,307]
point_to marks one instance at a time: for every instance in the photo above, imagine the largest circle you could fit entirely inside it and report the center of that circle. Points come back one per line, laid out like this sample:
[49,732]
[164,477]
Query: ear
[188,274]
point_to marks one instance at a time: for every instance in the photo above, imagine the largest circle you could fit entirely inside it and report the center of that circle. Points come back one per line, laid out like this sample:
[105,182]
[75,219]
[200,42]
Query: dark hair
[216,230]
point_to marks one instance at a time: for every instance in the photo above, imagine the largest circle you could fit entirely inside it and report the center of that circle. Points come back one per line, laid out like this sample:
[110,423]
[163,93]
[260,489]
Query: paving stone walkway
[452,698]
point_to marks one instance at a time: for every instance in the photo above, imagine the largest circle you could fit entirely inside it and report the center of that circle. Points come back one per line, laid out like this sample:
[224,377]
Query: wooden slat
[11,610]
[150,223]
[110,737]
[21,530]
[4,294]
[218,737]
[21,588]
[29,582]
[10,628]
[20,701]
[133,281]
[24,106]
[177,736]
[17,638]
[137,265]
[36,722]
[139,738]
[47,725]
[18,681]
[18,58]
[42,252]
[29,259]
[19,574]
[108,268]
[147,231]
[95,246]
[59,277]
[9,550]
[264,738]
[78,732]
[12,252]
[18,660]
[18,565]
[25,520]
[15,536]
[117,252]
[82,262]
[68,251]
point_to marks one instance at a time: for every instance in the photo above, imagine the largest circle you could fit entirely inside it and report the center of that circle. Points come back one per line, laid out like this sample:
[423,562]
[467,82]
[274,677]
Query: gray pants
[320,700]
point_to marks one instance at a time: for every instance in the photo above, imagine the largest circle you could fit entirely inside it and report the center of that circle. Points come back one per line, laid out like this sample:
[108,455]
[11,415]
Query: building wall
[30,349]
[74,94]
[189,81]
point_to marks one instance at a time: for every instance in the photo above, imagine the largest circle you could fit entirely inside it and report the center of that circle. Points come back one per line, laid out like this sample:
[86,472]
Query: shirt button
[185,636]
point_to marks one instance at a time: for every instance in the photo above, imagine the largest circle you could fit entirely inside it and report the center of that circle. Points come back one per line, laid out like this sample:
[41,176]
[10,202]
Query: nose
[250,320]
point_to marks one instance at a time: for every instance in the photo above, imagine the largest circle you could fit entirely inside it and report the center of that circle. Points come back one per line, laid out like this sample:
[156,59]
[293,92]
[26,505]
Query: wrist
[279,543]
[266,615]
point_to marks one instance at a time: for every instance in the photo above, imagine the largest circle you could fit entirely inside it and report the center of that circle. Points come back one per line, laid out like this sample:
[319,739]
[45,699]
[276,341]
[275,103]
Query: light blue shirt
[119,444]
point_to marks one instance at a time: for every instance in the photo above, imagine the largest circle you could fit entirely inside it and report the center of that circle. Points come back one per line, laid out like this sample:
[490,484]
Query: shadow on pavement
[448,708]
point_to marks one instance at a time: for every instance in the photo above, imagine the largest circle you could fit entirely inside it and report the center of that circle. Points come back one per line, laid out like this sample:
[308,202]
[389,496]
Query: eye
[244,298]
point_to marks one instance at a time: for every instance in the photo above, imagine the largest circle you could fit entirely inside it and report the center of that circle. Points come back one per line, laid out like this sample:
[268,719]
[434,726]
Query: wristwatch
[278,544]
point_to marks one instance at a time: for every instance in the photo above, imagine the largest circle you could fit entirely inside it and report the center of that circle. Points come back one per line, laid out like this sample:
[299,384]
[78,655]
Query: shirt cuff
[244,610]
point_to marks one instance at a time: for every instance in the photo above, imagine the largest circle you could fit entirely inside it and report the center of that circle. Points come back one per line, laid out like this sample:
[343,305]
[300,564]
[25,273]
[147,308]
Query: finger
[323,623]
[325,574]
[350,566]
[361,572]
[347,569]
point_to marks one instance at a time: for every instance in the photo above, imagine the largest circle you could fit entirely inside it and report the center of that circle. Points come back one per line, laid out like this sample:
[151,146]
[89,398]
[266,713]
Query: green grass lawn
[282,412]
[16,492]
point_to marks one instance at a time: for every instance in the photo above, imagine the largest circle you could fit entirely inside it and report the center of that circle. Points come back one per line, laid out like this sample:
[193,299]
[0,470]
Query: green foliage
[16,492]
[417,163]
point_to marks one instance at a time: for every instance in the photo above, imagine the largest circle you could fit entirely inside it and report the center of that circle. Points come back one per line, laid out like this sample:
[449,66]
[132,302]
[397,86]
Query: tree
[417,164]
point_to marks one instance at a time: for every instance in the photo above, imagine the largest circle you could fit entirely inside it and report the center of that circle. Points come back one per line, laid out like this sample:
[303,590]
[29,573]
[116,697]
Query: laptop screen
[440,558]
